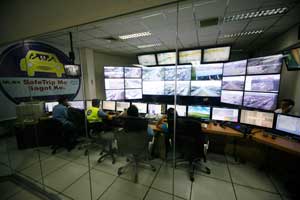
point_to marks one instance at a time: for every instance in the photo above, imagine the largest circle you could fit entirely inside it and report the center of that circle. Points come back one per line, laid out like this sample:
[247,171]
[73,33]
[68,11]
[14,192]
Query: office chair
[191,143]
[133,141]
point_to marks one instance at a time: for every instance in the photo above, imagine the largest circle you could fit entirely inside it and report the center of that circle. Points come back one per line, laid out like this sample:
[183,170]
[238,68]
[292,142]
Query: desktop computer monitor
[154,109]
[225,114]
[181,110]
[202,112]
[142,107]
[122,105]
[109,105]
[257,118]
[288,124]
[50,105]
[77,104]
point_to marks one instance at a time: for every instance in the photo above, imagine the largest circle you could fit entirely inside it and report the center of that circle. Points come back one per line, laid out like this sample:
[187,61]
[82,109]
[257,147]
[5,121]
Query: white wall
[101,60]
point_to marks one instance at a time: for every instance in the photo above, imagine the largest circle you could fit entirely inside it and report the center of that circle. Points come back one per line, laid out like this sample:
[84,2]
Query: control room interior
[229,71]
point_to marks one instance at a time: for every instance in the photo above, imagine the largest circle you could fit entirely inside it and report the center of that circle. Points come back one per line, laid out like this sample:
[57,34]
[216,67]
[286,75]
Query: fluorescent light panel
[246,33]
[134,35]
[148,45]
[254,14]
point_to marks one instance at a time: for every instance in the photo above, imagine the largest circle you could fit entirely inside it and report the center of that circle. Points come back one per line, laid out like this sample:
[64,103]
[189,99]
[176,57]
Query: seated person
[133,111]
[285,106]
[95,115]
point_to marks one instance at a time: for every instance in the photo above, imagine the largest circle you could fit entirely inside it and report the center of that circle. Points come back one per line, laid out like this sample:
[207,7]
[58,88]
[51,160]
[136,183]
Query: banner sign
[34,70]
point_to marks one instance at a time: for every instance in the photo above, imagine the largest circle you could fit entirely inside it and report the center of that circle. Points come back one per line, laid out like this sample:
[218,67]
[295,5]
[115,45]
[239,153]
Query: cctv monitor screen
[202,112]
[206,88]
[113,72]
[133,83]
[142,107]
[225,114]
[109,105]
[257,118]
[233,83]
[122,105]
[235,68]
[288,124]
[232,97]
[190,56]
[153,87]
[133,72]
[263,83]
[265,65]
[115,94]
[72,70]
[153,74]
[77,104]
[133,94]
[207,72]
[293,59]
[167,58]
[147,60]
[264,101]
[181,109]
[183,73]
[154,109]
[183,88]
[114,84]
[218,54]
[50,105]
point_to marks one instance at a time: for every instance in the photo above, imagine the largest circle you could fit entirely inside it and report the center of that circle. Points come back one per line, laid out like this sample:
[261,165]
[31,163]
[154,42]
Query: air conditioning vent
[209,22]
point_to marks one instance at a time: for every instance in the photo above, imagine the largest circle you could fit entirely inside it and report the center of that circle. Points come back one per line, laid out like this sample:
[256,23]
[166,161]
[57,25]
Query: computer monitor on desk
[77,104]
[225,114]
[181,110]
[142,107]
[199,112]
[154,109]
[257,118]
[122,105]
[49,106]
[109,105]
[288,124]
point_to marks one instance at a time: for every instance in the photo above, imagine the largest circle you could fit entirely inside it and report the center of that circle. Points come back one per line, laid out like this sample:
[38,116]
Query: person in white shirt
[285,106]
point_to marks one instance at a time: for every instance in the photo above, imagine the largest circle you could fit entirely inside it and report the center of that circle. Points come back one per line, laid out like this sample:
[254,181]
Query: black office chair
[191,143]
[133,141]
[58,136]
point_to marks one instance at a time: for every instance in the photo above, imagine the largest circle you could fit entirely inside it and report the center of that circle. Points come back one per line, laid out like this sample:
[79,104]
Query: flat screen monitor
[122,105]
[202,112]
[154,109]
[50,105]
[183,88]
[265,65]
[115,94]
[263,83]
[133,72]
[190,56]
[153,73]
[233,83]
[72,70]
[147,60]
[217,54]
[257,118]
[133,83]
[113,72]
[133,94]
[235,68]
[292,59]
[167,58]
[288,124]
[153,87]
[77,104]
[142,107]
[207,72]
[259,100]
[109,105]
[183,73]
[206,88]
[181,109]
[225,114]
[232,97]
[114,84]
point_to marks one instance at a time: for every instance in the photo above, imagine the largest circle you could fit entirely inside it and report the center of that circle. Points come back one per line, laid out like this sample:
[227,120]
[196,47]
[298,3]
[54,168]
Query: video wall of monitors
[123,83]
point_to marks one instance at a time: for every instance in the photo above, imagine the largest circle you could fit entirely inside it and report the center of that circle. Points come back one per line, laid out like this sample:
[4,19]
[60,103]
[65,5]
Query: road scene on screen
[153,87]
[133,83]
[232,97]
[114,94]
[183,73]
[233,83]
[190,56]
[112,84]
[206,88]
[167,58]
[263,83]
[133,94]
[113,72]
[207,72]
[153,74]
[235,68]
[216,54]
[265,65]
[133,72]
[265,101]
[183,88]
[147,59]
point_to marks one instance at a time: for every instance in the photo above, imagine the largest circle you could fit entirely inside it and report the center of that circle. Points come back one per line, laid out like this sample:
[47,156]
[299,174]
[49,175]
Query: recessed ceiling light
[134,35]
[240,34]
[254,14]
[148,45]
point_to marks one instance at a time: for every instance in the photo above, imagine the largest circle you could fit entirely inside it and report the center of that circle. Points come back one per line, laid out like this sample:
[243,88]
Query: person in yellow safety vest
[94,114]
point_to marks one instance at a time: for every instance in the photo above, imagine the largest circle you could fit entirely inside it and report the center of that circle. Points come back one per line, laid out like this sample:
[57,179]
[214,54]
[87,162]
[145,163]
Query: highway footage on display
[113,72]
[233,83]
[153,74]
[114,94]
[147,59]
[265,65]
[133,83]
[265,101]
[168,58]
[133,94]
[263,83]
[183,73]
[235,68]
[190,56]
[133,72]
[232,97]
[206,88]
[183,88]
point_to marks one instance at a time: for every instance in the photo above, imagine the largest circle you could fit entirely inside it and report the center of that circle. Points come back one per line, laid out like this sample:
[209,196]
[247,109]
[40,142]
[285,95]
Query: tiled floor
[67,174]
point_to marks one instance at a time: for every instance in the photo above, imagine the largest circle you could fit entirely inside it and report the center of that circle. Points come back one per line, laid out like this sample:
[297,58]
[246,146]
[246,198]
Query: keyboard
[239,127]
